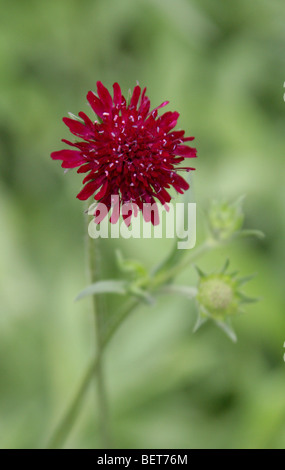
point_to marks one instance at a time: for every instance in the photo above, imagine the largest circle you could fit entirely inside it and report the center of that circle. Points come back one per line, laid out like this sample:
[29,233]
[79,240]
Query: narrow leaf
[131,266]
[250,233]
[247,300]
[234,274]
[103,287]
[76,118]
[225,267]
[200,321]
[227,328]
[245,279]
[141,294]
[239,201]
[200,272]
[187,291]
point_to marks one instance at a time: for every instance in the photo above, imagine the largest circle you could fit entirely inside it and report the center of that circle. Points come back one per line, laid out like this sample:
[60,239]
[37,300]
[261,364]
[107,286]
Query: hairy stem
[159,279]
[94,256]
[64,428]
[62,431]
[167,275]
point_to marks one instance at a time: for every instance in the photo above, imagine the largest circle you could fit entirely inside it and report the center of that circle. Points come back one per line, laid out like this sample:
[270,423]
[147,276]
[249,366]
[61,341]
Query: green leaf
[129,97]
[131,266]
[76,118]
[225,267]
[141,294]
[234,274]
[200,272]
[239,201]
[187,291]
[199,322]
[103,287]
[247,300]
[227,328]
[245,279]
[250,233]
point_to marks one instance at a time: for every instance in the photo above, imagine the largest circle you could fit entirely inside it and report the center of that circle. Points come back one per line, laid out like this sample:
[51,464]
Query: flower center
[215,294]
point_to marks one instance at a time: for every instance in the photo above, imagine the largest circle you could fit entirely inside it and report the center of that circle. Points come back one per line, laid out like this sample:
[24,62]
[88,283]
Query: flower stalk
[98,303]
[103,338]
[65,426]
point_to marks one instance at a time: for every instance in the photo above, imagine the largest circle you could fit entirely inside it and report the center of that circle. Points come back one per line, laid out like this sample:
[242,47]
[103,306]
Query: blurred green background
[221,65]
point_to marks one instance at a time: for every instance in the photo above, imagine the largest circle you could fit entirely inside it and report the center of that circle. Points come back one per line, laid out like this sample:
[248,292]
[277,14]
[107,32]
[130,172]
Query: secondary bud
[225,219]
[216,294]
[219,299]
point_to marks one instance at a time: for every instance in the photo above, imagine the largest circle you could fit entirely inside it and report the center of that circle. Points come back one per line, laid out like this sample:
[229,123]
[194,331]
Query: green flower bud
[217,296]
[225,219]
[219,299]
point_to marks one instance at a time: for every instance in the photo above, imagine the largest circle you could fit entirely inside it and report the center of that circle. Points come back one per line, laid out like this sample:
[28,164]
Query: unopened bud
[225,219]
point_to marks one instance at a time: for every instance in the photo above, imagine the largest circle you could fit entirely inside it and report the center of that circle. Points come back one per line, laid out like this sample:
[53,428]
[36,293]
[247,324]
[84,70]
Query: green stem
[131,305]
[99,314]
[160,278]
[61,433]
[64,428]
[164,276]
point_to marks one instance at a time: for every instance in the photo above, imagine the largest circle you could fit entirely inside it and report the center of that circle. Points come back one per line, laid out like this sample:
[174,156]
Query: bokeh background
[222,66]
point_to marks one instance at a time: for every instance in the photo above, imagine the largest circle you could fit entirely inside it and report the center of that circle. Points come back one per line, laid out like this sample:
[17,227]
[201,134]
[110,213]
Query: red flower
[128,152]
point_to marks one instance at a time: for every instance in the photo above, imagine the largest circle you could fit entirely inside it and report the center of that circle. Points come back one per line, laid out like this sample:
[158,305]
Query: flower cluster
[128,151]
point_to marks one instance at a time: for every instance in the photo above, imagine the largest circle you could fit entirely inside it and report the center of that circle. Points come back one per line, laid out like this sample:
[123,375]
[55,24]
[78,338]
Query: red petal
[127,213]
[86,119]
[104,95]
[177,134]
[69,143]
[150,211]
[184,151]
[66,154]
[135,209]
[70,158]
[77,128]
[145,107]
[143,97]
[185,168]
[85,168]
[168,120]
[180,184]
[115,213]
[92,175]
[70,164]
[163,194]
[144,104]
[136,96]
[102,191]
[96,104]
[165,103]
[117,94]
[87,191]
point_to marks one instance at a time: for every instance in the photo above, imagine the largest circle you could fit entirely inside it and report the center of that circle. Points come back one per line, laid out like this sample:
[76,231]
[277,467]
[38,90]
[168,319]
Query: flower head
[219,298]
[128,151]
